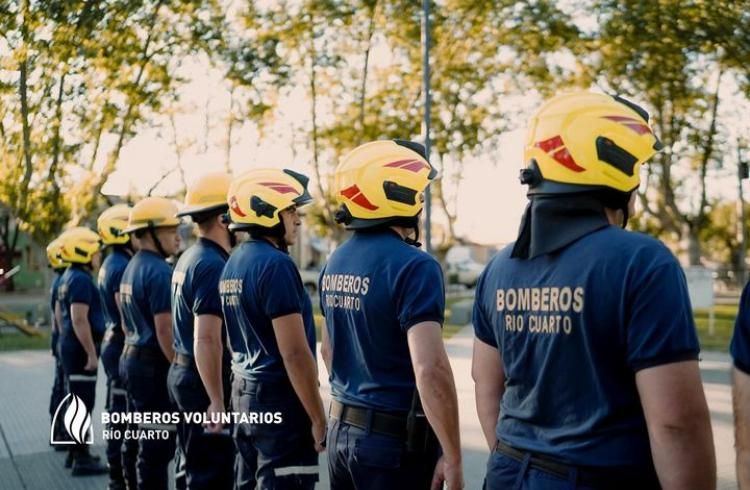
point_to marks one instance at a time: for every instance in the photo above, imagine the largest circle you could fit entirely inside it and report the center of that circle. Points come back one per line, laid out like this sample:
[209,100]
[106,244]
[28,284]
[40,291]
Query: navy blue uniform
[77,286]
[209,458]
[573,327]
[121,454]
[374,288]
[145,292]
[740,346]
[261,283]
[58,383]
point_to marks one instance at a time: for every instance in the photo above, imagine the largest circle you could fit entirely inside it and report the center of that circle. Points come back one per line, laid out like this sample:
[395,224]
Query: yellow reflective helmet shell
[382,180]
[79,245]
[588,140]
[208,193]
[256,197]
[53,254]
[152,212]
[112,223]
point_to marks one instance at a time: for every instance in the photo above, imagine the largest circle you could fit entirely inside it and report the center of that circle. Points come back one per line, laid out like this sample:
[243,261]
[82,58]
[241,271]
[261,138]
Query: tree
[676,68]
[78,74]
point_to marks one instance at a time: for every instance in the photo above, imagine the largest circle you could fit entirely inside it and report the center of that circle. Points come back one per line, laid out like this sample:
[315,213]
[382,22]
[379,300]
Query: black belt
[183,360]
[611,478]
[384,423]
[148,354]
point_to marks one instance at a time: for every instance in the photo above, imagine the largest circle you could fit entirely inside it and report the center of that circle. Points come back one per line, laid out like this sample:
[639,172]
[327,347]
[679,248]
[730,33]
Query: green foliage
[77,73]
[675,64]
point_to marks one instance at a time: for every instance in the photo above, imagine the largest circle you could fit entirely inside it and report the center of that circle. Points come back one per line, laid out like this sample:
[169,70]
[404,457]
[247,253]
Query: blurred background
[109,101]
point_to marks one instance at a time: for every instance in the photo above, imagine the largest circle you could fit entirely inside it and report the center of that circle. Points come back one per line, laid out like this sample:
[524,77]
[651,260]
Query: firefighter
[394,414]
[271,332]
[120,454]
[58,385]
[198,379]
[585,355]
[148,352]
[82,321]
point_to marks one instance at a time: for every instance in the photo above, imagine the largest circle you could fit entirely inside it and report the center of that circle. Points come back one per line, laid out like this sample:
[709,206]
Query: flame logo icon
[76,421]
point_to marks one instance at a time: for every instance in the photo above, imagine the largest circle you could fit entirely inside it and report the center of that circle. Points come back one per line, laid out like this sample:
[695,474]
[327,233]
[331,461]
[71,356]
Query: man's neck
[149,247]
[219,238]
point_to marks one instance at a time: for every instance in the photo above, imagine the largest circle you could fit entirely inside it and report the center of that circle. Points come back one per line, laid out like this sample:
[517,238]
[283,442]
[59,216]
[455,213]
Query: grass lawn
[724,316]
[19,341]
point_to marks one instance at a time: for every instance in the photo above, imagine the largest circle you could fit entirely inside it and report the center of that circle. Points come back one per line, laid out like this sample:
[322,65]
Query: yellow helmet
[255,198]
[79,245]
[207,194]
[152,212]
[53,254]
[111,224]
[585,140]
[382,180]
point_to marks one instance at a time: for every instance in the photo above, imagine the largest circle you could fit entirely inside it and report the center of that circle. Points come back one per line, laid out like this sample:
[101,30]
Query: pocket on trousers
[378,453]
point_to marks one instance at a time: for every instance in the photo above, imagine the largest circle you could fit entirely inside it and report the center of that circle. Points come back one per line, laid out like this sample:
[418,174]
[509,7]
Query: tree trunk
[365,68]
[230,130]
[26,130]
[694,245]
[328,213]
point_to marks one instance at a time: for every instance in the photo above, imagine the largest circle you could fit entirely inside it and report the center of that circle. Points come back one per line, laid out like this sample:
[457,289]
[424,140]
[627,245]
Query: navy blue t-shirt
[77,286]
[144,292]
[373,289]
[195,290]
[740,346]
[110,275]
[260,283]
[573,327]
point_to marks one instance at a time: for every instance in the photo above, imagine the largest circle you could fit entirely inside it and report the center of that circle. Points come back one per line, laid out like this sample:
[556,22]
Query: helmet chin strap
[414,241]
[625,217]
[157,242]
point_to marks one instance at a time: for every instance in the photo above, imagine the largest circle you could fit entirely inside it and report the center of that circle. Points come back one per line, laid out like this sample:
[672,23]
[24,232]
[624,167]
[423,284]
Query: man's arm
[489,385]
[302,370]
[741,403]
[437,391]
[163,324]
[58,317]
[679,425]
[79,316]
[325,348]
[118,302]
[208,356]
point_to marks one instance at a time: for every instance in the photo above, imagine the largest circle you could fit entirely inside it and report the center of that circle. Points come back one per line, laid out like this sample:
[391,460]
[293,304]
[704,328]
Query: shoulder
[634,248]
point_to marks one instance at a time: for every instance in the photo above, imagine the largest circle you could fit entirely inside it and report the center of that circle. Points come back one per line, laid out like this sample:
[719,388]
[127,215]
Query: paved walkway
[27,462]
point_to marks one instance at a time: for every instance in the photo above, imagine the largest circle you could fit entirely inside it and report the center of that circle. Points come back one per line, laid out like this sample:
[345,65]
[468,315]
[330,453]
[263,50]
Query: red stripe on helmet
[235,207]
[410,165]
[631,123]
[355,195]
[279,187]
[639,128]
[563,157]
[549,144]
[350,192]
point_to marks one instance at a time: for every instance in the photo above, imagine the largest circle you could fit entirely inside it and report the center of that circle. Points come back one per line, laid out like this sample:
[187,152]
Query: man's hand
[214,411]
[319,436]
[91,363]
[449,472]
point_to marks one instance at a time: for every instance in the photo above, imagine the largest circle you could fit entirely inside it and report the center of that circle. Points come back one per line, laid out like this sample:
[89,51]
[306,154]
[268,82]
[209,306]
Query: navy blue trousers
[209,458]
[363,460]
[273,456]
[146,384]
